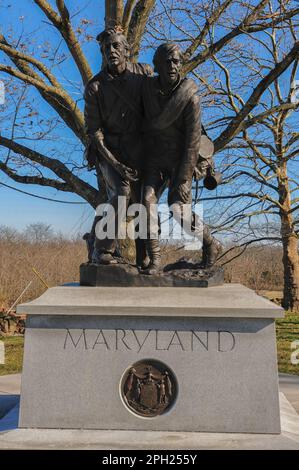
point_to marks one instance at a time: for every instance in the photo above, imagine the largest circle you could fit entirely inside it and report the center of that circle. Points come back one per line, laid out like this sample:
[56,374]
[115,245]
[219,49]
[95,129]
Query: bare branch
[15,54]
[41,181]
[262,116]
[74,184]
[38,83]
[62,23]
[128,14]
[236,123]
[138,22]
[64,13]
[113,13]
[56,97]
[209,22]
[244,27]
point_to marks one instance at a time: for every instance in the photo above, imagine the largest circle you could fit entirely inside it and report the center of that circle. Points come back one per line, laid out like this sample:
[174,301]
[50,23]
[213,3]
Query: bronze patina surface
[149,388]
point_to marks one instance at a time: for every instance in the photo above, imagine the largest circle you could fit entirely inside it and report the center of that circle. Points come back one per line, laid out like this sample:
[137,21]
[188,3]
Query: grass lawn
[287,330]
[13,354]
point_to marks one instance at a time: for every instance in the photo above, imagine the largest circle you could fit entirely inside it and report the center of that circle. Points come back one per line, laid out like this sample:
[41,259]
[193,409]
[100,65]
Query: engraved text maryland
[142,340]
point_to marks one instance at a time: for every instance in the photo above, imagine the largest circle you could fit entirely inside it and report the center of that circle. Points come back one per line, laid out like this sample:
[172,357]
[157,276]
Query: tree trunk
[290,245]
[291,273]
[114,10]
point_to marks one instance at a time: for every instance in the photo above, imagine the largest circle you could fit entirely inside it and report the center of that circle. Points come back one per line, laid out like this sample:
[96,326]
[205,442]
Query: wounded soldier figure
[172,130]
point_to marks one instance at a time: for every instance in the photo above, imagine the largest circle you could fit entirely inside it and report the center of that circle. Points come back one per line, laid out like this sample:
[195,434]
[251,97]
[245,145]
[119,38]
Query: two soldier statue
[144,135]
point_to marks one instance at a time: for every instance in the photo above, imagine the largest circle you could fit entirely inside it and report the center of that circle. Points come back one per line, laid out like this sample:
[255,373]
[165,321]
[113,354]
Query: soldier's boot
[142,258]
[145,263]
[211,249]
[154,253]
[102,257]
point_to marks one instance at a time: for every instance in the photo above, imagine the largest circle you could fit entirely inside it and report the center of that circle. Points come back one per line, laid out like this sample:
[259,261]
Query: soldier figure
[113,116]
[172,142]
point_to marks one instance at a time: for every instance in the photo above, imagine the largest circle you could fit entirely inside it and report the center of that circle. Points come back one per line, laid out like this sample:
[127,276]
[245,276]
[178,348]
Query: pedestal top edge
[228,300]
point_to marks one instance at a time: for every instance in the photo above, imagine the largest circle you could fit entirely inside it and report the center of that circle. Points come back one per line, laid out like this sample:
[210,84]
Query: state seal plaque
[149,388]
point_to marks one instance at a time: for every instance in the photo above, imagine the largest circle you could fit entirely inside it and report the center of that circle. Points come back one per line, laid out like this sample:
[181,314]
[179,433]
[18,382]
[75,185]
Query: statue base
[154,359]
[180,274]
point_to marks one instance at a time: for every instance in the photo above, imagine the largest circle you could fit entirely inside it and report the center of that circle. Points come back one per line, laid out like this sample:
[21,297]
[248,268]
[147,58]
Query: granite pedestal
[218,342]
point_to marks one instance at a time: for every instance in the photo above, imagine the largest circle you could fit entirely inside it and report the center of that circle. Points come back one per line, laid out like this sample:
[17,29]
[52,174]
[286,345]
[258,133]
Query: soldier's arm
[95,135]
[92,121]
[192,123]
[92,114]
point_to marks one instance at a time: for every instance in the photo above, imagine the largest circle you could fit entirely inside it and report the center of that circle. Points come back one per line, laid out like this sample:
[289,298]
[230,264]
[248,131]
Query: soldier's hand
[127,173]
[184,189]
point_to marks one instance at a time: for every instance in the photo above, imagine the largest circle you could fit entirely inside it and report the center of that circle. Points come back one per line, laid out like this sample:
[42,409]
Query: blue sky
[18,209]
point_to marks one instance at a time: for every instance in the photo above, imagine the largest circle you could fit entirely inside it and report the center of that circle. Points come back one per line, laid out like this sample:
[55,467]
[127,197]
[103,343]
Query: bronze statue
[145,134]
[172,129]
[113,118]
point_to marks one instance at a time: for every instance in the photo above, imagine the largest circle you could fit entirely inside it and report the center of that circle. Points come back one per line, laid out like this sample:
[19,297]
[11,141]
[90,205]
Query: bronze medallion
[149,388]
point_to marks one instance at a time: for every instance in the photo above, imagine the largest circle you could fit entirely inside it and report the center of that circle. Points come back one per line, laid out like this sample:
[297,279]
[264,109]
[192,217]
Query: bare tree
[31,74]
[262,167]
[42,127]
[39,232]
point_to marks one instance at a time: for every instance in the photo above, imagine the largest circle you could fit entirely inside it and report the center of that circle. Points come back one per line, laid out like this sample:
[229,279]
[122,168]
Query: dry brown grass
[58,262]
[259,268]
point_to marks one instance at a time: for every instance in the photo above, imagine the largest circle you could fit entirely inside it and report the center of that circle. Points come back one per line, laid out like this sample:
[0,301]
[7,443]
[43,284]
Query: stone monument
[141,347]
[152,358]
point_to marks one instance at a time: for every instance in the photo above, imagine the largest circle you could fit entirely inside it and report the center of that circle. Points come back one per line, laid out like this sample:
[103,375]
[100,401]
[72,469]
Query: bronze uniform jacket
[119,122]
[172,127]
